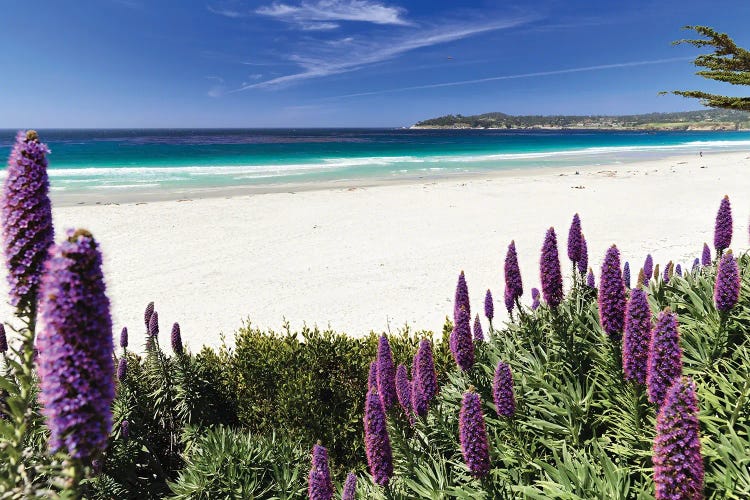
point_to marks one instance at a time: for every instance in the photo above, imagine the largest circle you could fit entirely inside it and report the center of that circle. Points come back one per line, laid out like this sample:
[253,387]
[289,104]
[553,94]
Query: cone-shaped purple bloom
[626,274]
[350,487]
[462,297]
[147,314]
[612,295]
[590,281]
[478,333]
[26,219]
[678,270]
[727,287]
[372,377]
[678,464]
[125,429]
[664,357]
[502,391]
[386,373]
[583,262]
[648,266]
[508,300]
[706,256]
[419,403]
[153,325]
[124,337]
[424,370]
[723,228]
[319,484]
[668,270]
[75,364]
[122,368]
[534,298]
[403,388]
[489,306]
[696,263]
[472,434]
[3,340]
[377,442]
[637,337]
[513,281]
[549,267]
[176,339]
[575,236]
[463,344]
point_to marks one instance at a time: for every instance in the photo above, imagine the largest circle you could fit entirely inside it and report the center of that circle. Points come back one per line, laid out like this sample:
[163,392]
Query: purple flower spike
[124,337]
[350,487]
[590,281]
[626,274]
[319,484]
[176,339]
[502,391]
[664,357]
[478,333]
[668,272]
[583,262]
[727,287]
[696,264]
[424,370]
[419,403]
[648,266]
[462,297]
[3,340]
[122,368]
[153,325]
[386,373]
[612,295]
[637,337]
[463,343]
[372,377]
[723,228]
[75,364]
[534,298]
[403,388]
[125,429]
[472,434]
[508,300]
[513,283]
[147,314]
[706,255]
[575,236]
[489,306]
[377,442]
[549,267]
[678,464]
[26,219]
[678,270]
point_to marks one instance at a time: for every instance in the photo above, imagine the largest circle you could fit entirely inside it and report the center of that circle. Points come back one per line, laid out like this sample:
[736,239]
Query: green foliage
[728,63]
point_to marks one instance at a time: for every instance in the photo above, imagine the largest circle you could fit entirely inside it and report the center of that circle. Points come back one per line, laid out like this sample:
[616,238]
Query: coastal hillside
[706,119]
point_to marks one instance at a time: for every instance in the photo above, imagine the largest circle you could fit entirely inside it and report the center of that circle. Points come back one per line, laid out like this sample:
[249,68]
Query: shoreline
[374,258]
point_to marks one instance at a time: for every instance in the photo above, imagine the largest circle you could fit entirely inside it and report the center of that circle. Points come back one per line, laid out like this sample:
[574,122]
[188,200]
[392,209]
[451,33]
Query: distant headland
[707,119]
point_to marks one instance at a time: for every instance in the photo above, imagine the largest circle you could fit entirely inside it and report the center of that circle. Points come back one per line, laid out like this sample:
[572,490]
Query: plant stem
[740,402]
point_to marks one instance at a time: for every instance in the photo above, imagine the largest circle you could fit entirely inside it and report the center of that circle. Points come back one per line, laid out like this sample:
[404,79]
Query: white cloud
[318,26]
[234,14]
[311,12]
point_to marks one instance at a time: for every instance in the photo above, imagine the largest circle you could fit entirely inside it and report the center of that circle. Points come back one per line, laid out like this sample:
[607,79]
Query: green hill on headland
[705,119]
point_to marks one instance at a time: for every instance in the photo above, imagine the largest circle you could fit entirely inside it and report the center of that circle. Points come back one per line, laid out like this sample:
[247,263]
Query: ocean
[97,161]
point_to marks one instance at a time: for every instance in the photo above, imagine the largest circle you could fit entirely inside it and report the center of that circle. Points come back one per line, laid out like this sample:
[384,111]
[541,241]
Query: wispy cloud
[325,59]
[513,77]
[231,13]
[322,14]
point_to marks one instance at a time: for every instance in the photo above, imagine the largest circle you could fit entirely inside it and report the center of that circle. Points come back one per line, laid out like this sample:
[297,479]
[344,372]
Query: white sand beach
[361,259]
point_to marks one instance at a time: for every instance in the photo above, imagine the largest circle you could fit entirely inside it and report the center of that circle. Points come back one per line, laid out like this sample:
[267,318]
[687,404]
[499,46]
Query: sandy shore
[361,259]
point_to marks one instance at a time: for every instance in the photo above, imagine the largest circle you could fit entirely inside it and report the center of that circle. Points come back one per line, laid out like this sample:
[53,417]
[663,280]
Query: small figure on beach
[700,153]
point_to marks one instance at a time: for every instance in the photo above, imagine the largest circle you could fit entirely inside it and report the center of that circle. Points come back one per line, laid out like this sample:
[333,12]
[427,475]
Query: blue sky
[302,63]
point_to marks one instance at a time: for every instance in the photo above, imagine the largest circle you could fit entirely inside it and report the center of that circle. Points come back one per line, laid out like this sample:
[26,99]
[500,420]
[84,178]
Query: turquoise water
[160,160]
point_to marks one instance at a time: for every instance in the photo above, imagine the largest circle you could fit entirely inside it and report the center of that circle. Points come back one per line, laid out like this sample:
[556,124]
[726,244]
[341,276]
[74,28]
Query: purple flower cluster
[26,219]
[122,368]
[727,287]
[648,266]
[575,239]
[612,295]
[664,357]
[696,264]
[678,270]
[472,434]
[678,464]
[377,442]
[424,373]
[508,300]
[583,262]
[319,484]
[153,325]
[513,283]
[386,373]
[502,391]
[626,274]
[419,401]
[489,306]
[147,314]
[549,267]
[706,255]
[590,281]
[668,272]
[723,227]
[74,340]
[534,299]
[350,487]
[637,336]
[3,340]
[462,297]
[403,389]
[372,377]
[463,345]
[478,333]
[124,337]
[176,339]
[125,429]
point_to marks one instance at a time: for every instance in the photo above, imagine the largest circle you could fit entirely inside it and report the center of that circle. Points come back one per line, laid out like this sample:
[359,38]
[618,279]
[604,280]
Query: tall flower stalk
[612,295]
[549,270]
[635,342]
[489,307]
[472,433]
[723,227]
[706,255]
[648,267]
[423,369]
[386,373]
[664,357]
[502,391]
[513,282]
[377,441]
[319,484]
